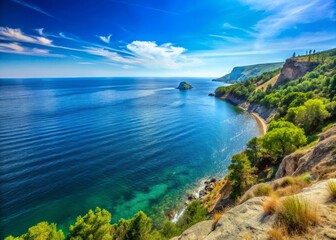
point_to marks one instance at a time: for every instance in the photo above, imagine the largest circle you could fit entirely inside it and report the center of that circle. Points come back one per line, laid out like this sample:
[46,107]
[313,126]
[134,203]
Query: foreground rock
[184,86]
[248,220]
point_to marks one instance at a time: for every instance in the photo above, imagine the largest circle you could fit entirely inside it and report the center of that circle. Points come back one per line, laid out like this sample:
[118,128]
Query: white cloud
[105,39]
[15,34]
[159,56]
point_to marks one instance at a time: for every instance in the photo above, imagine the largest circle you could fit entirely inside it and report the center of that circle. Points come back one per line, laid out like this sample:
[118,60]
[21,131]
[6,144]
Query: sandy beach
[261,122]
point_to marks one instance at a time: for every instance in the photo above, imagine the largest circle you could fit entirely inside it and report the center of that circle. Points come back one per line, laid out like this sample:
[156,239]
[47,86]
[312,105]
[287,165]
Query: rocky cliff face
[249,221]
[293,70]
[320,160]
[263,112]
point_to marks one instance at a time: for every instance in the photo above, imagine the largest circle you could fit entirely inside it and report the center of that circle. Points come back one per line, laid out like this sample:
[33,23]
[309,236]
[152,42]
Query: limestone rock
[293,69]
[198,231]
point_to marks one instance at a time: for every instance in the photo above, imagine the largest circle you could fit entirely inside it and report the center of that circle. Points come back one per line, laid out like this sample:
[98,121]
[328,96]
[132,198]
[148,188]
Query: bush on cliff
[283,138]
[310,116]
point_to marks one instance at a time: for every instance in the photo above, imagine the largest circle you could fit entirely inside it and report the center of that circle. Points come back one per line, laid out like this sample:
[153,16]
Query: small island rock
[184,86]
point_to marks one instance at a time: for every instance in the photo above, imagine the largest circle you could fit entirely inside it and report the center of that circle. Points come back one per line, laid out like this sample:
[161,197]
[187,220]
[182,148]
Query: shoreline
[260,121]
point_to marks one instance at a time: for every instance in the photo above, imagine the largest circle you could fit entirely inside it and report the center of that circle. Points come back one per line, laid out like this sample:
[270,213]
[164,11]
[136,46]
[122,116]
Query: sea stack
[184,86]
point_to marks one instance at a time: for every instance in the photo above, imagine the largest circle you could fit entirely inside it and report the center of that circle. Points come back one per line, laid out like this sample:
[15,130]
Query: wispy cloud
[33,7]
[16,48]
[229,26]
[40,31]
[105,39]
[145,7]
[304,41]
[15,34]
[286,14]
[227,38]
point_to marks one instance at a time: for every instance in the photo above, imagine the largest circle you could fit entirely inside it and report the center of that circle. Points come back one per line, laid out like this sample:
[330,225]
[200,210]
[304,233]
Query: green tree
[241,175]
[93,225]
[284,140]
[41,231]
[253,151]
[311,115]
[140,227]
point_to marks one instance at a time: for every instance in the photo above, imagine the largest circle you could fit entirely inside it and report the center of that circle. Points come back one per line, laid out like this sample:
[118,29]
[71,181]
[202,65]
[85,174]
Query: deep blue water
[124,144]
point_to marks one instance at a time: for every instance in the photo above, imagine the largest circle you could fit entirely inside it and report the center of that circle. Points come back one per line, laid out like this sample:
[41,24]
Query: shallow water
[124,144]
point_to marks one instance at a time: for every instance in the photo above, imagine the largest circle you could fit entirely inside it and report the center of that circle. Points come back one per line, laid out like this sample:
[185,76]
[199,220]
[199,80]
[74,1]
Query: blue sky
[62,38]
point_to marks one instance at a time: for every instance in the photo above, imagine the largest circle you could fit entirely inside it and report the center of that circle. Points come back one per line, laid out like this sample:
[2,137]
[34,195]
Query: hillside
[242,73]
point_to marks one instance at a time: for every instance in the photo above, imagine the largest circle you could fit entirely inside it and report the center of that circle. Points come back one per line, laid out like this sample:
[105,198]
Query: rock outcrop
[184,86]
[320,160]
[249,221]
[293,69]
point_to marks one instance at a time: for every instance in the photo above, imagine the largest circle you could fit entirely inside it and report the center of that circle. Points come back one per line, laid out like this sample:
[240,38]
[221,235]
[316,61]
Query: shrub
[263,190]
[271,204]
[277,234]
[287,181]
[332,188]
[297,214]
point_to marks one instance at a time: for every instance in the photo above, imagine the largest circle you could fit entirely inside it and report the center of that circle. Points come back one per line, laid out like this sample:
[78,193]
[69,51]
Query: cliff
[293,69]
[320,159]
[242,73]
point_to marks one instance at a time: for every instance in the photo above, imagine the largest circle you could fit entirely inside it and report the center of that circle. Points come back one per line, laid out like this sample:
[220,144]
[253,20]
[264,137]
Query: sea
[68,145]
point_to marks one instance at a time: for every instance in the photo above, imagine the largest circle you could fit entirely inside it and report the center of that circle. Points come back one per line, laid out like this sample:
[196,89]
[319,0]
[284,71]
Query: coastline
[260,121]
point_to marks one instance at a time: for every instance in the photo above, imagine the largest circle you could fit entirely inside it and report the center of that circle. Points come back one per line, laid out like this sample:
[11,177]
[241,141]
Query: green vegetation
[283,139]
[42,230]
[241,175]
[97,225]
[243,90]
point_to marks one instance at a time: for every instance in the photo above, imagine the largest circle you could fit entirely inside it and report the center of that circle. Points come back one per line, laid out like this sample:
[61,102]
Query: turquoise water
[124,144]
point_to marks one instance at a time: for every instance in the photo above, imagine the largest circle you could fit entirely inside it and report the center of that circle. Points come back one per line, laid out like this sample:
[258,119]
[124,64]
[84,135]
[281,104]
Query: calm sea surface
[124,144]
